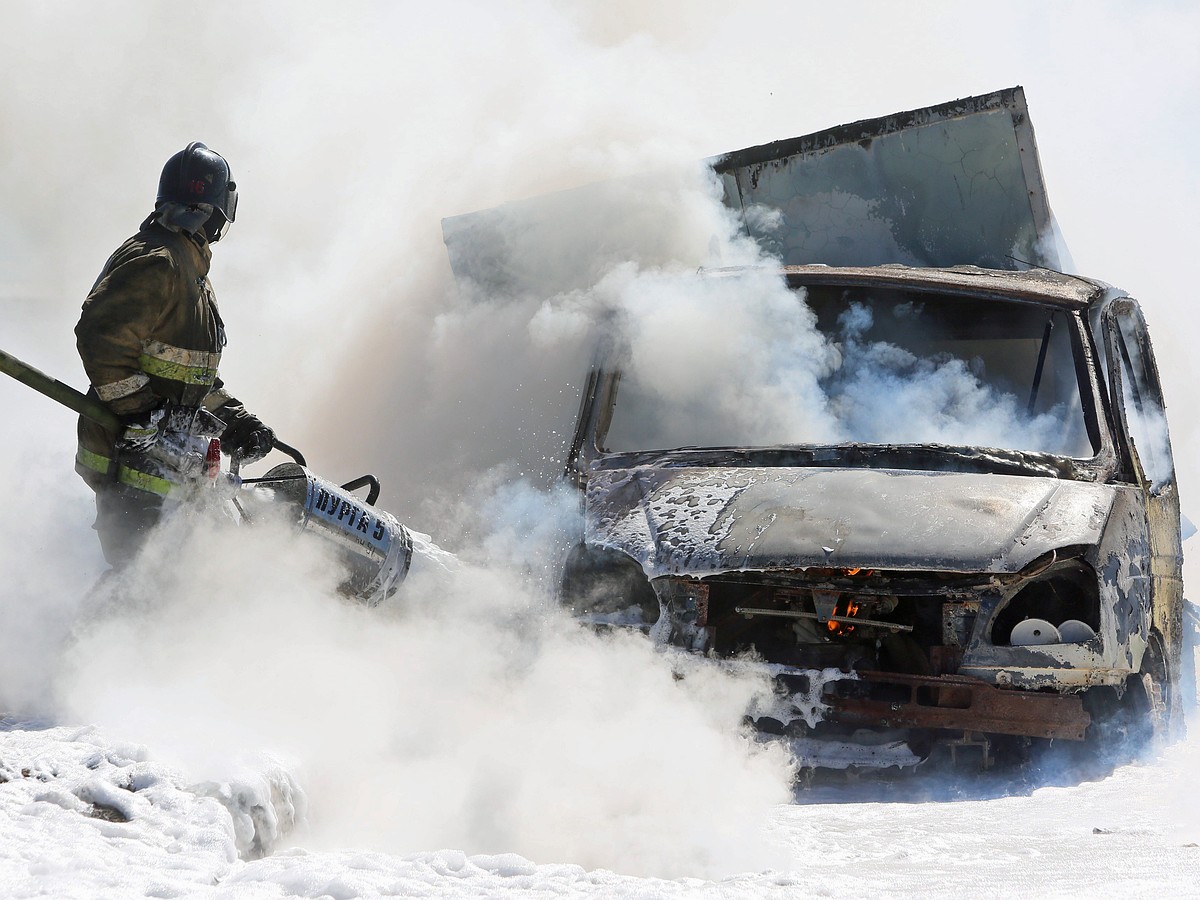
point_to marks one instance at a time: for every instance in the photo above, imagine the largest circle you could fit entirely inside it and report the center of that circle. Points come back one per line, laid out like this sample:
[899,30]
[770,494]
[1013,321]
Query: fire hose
[63,393]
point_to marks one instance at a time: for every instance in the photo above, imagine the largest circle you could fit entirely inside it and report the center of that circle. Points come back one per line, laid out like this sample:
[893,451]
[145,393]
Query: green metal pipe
[63,393]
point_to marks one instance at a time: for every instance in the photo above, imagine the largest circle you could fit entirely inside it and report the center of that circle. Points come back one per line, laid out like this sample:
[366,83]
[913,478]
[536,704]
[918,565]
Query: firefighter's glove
[249,438]
[142,430]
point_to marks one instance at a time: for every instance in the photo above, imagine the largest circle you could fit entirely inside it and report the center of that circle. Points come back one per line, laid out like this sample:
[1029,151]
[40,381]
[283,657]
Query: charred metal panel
[698,521]
[1126,586]
[1167,572]
[1039,286]
[1119,558]
[960,703]
[953,184]
[1140,410]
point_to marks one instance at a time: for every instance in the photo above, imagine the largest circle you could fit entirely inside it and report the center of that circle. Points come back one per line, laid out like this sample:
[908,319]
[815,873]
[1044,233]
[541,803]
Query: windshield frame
[600,394]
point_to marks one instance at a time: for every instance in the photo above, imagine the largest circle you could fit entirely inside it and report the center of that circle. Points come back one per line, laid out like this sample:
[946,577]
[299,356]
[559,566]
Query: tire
[1137,720]
[1159,695]
[1162,701]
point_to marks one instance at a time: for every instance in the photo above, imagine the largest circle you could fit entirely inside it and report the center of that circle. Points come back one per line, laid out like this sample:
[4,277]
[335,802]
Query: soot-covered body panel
[696,521]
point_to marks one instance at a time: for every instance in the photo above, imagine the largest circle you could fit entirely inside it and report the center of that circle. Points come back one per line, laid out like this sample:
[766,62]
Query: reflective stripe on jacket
[92,464]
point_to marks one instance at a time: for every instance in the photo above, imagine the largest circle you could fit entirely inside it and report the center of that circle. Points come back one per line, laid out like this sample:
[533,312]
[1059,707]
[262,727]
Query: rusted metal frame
[881,584]
[749,611]
[971,705]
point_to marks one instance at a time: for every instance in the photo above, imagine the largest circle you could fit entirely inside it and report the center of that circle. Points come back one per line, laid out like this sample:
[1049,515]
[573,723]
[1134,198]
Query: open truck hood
[954,184]
[699,521]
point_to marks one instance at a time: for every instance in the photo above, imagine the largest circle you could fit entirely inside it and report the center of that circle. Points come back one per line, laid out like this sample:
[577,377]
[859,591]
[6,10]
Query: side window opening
[1141,400]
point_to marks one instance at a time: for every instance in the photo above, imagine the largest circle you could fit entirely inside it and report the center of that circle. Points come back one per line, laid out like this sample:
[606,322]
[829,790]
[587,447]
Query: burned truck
[996,564]
[907,593]
[967,540]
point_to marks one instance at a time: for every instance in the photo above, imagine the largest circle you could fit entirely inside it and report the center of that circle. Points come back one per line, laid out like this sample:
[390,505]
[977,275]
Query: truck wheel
[1131,722]
[1159,701]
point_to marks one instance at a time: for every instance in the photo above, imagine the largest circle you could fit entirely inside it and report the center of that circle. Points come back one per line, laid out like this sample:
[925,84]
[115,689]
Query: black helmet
[198,175]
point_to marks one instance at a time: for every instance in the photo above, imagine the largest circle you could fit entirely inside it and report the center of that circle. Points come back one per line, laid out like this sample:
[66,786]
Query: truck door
[1141,416]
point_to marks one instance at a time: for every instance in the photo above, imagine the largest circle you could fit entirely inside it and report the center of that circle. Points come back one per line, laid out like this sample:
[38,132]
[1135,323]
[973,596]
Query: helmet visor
[231,201]
[216,226]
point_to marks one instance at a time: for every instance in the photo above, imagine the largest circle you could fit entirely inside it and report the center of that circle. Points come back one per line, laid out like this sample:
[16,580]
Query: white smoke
[725,360]
[886,394]
[49,557]
[468,713]
[718,359]
[1148,427]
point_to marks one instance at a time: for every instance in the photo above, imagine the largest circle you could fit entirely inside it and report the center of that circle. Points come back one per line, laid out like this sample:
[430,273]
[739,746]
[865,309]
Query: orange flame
[846,609]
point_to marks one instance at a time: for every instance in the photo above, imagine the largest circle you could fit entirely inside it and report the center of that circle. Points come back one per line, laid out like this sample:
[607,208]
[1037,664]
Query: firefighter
[150,338]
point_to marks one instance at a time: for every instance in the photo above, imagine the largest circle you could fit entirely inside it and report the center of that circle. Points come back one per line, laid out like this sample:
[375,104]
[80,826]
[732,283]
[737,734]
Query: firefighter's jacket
[149,332]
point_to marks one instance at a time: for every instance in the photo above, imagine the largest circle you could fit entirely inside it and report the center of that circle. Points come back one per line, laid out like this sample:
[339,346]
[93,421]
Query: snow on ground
[84,815]
[1132,834]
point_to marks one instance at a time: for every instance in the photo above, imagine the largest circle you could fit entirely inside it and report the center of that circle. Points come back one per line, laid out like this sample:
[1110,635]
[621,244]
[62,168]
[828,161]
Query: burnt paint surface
[698,521]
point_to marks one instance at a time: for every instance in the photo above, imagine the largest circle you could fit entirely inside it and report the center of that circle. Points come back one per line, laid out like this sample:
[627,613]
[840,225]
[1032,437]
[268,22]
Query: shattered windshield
[836,365]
